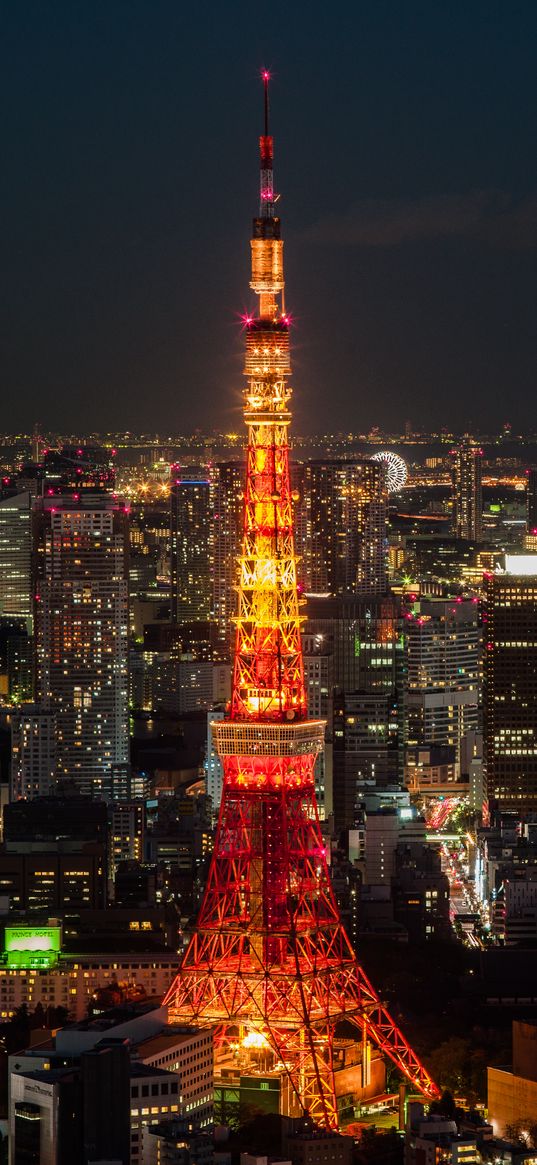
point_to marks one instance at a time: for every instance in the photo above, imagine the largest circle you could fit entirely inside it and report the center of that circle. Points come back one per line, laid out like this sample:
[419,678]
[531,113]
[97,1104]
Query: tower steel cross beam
[269,966]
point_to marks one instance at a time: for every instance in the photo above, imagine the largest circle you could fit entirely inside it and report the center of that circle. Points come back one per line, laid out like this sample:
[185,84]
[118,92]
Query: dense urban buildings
[510,694]
[395,672]
[266,737]
[191,543]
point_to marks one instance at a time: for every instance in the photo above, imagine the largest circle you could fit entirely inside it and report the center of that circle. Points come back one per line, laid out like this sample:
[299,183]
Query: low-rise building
[78,1111]
[34,969]
[512,1091]
[305,1144]
[431,1139]
[171,1067]
[176,1142]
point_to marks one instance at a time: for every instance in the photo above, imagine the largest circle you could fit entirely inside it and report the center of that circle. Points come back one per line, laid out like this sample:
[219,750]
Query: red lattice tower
[270,966]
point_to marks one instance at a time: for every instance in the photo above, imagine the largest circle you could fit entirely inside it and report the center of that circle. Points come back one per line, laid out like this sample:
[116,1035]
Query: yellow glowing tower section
[268,675]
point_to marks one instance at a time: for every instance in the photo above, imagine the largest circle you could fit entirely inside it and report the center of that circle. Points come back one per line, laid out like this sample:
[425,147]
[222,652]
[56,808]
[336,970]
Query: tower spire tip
[265,75]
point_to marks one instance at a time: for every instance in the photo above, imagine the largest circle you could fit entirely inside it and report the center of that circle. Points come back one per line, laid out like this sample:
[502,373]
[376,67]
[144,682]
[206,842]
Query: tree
[449,1063]
[38,1017]
[445,1106]
[515,1132]
[57,1017]
[379,1147]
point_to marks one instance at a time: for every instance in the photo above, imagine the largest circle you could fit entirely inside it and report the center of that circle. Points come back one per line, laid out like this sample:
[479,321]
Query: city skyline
[412,220]
[268,635]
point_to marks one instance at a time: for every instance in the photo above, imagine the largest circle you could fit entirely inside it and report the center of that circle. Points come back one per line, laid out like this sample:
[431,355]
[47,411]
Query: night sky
[406,157]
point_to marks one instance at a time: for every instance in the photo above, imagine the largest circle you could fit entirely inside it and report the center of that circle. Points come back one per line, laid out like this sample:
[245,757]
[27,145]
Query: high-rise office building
[127,831]
[15,659]
[15,556]
[443,671]
[341,526]
[361,637]
[510,684]
[54,854]
[81,617]
[531,502]
[33,751]
[367,747]
[467,494]
[191,543]
[228,512]
[318,679]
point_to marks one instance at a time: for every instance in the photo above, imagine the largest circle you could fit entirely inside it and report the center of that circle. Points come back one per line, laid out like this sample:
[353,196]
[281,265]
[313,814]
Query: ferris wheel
[396,469]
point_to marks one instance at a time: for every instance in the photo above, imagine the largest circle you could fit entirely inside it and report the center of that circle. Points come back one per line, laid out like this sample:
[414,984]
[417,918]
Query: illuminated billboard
[32,946]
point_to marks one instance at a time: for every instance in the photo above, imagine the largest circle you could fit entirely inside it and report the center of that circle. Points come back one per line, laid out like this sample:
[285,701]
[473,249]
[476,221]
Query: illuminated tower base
[270,965]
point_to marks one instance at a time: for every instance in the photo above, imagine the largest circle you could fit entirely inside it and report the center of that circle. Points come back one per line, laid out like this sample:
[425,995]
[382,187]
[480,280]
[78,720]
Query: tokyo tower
[269,966]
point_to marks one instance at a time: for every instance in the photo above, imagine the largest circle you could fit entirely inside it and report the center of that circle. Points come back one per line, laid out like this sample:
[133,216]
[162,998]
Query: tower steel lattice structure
[269,965]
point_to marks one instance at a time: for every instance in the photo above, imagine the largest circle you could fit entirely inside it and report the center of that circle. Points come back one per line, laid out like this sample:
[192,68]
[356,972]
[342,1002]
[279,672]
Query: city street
[466,909]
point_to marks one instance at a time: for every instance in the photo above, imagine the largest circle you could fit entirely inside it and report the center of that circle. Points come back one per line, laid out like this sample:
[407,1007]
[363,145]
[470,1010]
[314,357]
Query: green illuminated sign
[30,946]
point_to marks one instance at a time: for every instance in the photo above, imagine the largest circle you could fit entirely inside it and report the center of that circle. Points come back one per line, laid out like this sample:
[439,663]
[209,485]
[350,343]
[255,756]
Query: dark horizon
[404,150]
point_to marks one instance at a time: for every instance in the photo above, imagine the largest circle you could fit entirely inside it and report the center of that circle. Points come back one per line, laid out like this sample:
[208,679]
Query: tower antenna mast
[266,79]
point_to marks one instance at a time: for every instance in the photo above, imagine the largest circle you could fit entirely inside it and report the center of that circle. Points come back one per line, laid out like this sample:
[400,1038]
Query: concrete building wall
[510,1099]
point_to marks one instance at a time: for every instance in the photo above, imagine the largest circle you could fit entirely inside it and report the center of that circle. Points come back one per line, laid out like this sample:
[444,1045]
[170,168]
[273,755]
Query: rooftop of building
[519,565]
[119,1015]
[177,1126]
[48,1075]
[137,1069]
[140,1071]
[169,1038]
[444,1138]
[144,945]
[314,1134]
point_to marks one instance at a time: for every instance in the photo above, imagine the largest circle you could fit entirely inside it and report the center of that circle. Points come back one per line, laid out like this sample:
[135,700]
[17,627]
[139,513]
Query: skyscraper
[367,747]
[15,556]
[81,628]
[191,543]
[269,964]
[467,494]
[361,635]
[33,751]
[443,671]
[341,526]
[510,684]
[531,502]
[228,512]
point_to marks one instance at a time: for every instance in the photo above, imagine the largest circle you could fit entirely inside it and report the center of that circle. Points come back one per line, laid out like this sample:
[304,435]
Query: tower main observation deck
[269,966]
